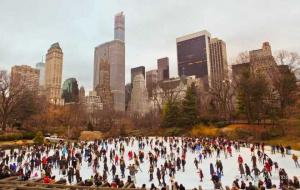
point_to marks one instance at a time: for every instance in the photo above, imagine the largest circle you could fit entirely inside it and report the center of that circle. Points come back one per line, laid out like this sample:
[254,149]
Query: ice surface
[190,178]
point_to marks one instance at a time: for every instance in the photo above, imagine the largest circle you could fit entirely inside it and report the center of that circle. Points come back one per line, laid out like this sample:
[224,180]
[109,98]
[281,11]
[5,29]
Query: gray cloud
[28,28]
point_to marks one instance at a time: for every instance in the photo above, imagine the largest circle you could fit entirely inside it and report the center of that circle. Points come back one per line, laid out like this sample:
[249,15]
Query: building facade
[70,91]
[193,56]
[110,56]
[139,103]
[219,64]
[136,71]
[109,70]
[26,77]
[151,81]
[41,67]
[261,61]
[120,27]
[81,93]
[92,102]
[163,69]
[53,73]
[173,89]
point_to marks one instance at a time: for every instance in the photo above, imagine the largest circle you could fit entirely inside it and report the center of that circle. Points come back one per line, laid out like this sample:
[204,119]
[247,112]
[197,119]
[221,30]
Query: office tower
[120,27]
[163,68]
[103,88]
[218,58]
[70,91]
[193,56]
[137,70]
[128,88]
[81,93]
[53,73]
[110,56]
[139,103]
[25,77]
[151,81]
[41,66]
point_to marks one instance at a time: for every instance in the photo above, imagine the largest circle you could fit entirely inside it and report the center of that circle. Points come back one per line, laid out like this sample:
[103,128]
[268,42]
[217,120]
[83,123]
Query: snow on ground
[190,178]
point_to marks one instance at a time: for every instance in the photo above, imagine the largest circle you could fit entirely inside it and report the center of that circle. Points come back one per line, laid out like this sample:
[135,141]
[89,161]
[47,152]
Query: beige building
[53,73]
[261,61]
[151,81]
[139,103]
[173,89]
[93,102]
[163,69]
[25,76]
[218,59]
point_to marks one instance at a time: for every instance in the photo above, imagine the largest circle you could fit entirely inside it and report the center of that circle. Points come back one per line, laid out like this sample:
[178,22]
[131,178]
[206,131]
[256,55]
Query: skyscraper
[163,68]
[218,58]
[81,93]
[53,73]
[110,56]
[193,56]
[41,66]
[103,87]
[137,70]
[151,81]
[25,76]
[139,103]
[120,27]
[70,91]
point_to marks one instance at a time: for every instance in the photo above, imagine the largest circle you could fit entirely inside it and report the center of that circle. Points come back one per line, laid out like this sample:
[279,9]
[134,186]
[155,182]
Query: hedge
[17,136]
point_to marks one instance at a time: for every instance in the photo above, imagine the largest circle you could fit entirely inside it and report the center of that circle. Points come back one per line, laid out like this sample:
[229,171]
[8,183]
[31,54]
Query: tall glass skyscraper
[120,27]
[193,56]
[112,55]
[41,66]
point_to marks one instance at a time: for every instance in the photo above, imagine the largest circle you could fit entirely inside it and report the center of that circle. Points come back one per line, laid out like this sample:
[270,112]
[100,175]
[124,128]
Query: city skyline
[83,27]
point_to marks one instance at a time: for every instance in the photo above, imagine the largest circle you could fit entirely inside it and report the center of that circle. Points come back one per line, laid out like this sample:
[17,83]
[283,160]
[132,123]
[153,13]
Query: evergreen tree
[170,114]
[39,138]
[189,111]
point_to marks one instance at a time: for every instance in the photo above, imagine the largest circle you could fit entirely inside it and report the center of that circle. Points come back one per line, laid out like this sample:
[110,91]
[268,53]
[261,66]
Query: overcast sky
[29,27]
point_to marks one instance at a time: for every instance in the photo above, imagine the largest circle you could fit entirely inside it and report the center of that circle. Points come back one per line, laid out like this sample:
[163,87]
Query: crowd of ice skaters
[27,161]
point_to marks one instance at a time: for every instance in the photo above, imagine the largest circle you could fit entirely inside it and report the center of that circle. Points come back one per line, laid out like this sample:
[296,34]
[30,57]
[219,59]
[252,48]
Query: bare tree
[167,93]
[222,96]
[242,57]
[10,93]
[284,81]
[291,59]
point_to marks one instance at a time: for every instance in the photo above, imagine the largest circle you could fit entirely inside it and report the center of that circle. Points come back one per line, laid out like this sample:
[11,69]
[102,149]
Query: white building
[93,102]
[139,102]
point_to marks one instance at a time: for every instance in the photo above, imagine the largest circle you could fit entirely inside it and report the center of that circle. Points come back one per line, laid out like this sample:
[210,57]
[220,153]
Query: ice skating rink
[189,178]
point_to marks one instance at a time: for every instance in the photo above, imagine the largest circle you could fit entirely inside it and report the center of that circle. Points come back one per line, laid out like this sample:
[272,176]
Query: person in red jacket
[229,150]
[130,155]
[116,159]
[44,162]
[113,184]
[47,179]
[240,159]
[268,168]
